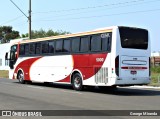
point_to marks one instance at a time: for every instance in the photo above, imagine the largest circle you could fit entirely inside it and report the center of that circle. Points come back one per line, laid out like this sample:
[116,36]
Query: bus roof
[96,31]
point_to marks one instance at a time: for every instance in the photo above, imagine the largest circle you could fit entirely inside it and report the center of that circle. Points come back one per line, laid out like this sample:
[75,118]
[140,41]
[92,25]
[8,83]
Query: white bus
[113,56]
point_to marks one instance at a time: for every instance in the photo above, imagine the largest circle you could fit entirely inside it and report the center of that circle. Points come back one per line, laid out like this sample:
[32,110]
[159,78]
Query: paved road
[15,96]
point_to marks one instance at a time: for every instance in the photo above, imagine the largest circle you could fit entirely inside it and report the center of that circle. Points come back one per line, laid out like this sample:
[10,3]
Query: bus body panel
[133,64]
[58,69]
[95,68]
[134,70]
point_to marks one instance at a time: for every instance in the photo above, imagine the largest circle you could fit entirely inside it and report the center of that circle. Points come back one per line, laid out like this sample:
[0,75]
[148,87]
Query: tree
[6,34]
[42,33]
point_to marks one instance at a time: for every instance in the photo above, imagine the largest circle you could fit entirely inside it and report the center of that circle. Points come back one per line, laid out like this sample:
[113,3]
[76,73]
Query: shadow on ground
[122,91]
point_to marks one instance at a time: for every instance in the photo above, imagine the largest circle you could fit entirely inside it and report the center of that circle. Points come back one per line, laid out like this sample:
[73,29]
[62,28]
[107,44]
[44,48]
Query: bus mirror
[7,56]
[12,55]
[11,64]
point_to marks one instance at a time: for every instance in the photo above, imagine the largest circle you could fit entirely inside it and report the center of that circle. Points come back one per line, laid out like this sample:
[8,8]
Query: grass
[155,77]
[4,74]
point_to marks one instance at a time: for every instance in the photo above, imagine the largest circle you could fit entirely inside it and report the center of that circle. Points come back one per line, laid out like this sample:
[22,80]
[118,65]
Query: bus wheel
[77,82]
[21,77]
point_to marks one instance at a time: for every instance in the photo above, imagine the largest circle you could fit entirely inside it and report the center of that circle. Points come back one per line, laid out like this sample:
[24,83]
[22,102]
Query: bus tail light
[117,65]
[112,70]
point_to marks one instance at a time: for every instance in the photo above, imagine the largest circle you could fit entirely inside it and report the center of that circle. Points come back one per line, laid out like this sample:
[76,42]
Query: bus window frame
[34,50]
[40,48]
[88,39]
[66,52]
[71,39]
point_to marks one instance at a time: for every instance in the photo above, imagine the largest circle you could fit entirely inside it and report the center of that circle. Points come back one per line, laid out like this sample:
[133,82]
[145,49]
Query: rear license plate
[133,72]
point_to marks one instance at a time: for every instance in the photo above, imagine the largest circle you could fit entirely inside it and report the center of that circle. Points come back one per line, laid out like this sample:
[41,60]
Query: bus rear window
[133,38]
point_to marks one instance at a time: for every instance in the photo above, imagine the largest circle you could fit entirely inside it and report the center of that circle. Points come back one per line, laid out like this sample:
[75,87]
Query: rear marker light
[112,70]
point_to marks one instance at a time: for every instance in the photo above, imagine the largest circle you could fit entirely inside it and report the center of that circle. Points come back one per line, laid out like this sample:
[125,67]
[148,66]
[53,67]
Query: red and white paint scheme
[112,56]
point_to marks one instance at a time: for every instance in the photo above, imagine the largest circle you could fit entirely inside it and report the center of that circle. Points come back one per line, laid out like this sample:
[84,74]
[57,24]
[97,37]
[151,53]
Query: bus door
[133,67]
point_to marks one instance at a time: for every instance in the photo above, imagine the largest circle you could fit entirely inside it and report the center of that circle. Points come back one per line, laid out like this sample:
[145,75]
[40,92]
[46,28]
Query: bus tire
[77,82]
[21,77]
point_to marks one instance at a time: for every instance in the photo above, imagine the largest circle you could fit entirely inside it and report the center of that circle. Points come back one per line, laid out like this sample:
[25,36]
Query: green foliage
[155,76]
[6,34]
[155,69]
[42,33]
[24,35]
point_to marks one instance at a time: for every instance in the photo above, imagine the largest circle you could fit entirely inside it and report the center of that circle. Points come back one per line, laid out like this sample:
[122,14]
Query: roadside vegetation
[4,74]
[155,76]
[7,33]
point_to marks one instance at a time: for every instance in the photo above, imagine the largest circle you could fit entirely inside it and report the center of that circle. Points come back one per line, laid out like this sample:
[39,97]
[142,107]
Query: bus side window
[22,50]
[109,42]
[84,44]
[106,42]
[38,48]
[96,43]
[76,44]
[59,44]
[66,46]
[45,47]
[26,46]
[51,47]
[32,48]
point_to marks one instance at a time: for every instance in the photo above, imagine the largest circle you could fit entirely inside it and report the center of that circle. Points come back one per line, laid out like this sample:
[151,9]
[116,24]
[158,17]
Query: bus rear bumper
[129,81]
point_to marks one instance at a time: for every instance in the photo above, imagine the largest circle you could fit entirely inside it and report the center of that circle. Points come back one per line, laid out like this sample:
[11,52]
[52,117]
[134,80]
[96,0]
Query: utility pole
[29,19]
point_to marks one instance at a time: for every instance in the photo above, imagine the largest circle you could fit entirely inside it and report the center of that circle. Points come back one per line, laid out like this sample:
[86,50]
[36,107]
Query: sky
[84,15]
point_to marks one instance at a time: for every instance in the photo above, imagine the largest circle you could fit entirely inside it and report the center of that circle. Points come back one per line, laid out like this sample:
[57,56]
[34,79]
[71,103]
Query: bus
[107,57]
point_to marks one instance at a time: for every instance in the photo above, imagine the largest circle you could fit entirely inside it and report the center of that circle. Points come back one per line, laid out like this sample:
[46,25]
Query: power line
[28,17]
[14,19]
[19,9]
[92,7]
[20,24]
[142,11]
[103,9]
[114,4]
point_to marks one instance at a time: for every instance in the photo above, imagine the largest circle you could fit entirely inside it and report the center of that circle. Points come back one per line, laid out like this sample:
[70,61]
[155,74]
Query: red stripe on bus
[137,68]
[25,66]
[124,67]
[86,63]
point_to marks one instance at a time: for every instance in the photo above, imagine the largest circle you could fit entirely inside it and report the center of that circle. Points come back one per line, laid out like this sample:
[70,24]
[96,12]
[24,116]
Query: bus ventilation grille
[101,75]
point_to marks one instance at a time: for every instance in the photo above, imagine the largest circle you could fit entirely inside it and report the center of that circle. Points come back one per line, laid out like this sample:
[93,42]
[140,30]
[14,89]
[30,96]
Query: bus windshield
[14,48]
[13,52]
[133,38]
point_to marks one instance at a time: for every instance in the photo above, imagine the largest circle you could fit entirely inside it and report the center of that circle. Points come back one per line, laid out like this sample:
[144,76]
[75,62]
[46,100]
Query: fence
[155,61]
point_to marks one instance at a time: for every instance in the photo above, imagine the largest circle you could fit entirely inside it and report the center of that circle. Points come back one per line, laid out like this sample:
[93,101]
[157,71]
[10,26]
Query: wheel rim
[21,77]
[77,82]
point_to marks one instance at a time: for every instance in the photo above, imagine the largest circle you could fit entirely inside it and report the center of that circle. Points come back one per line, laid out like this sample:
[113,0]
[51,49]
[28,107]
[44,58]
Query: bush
[155,69]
